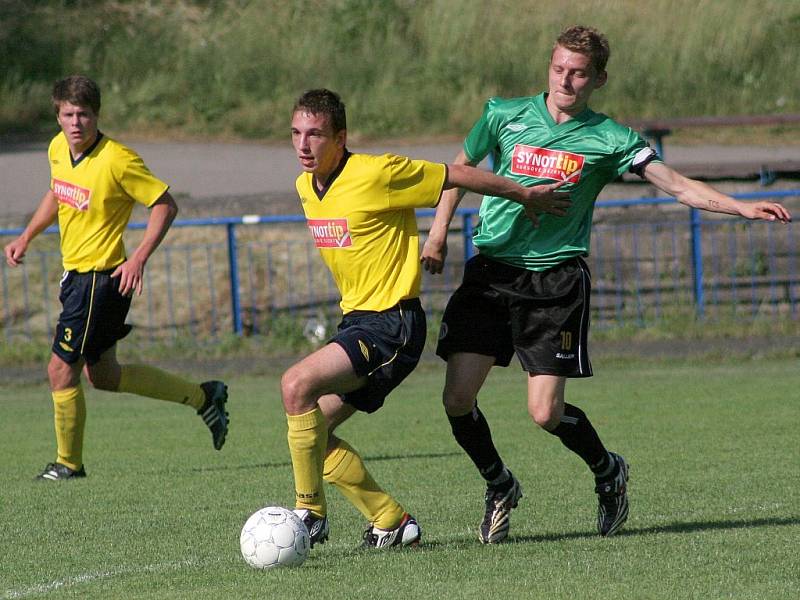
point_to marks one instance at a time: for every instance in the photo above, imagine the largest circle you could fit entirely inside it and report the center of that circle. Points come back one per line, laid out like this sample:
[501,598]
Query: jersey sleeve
[414,183]
[635,154]
[137,180]
[482,138]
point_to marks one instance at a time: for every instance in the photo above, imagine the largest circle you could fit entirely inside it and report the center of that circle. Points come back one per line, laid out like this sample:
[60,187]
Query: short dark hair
[77,90]
[587,41]
[323,102]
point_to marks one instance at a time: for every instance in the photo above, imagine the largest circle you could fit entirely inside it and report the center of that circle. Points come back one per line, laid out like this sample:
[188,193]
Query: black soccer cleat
[213,411]
[58,472]
[406,534]
[317,526]
[612,496]
[496,520]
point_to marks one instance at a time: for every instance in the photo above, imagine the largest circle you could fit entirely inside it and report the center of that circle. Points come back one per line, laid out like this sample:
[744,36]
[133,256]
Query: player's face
[79,124]
[572,79]
[318,148]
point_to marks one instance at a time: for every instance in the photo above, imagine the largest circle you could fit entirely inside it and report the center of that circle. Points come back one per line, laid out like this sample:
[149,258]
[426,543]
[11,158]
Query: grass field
[715,494]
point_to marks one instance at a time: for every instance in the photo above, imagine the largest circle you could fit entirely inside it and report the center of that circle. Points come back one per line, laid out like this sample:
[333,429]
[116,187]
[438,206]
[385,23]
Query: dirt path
[206,172]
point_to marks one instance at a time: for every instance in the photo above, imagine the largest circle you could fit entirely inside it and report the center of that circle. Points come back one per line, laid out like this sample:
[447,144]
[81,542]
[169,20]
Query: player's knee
[295,390]
[545,416]
[457,404]
[61,375]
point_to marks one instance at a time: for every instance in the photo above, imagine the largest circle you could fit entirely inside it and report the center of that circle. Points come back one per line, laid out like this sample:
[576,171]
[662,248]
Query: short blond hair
[587,41]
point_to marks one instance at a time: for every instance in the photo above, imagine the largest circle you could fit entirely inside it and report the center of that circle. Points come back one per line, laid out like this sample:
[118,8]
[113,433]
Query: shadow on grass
[462,542]
[699,526]
[691,527]
[286,463]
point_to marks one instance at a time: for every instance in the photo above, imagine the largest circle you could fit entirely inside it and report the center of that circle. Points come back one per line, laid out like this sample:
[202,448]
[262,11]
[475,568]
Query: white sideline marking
[44,588]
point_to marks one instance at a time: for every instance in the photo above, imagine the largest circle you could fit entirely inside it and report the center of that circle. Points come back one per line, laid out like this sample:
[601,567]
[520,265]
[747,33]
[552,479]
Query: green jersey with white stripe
[527,145]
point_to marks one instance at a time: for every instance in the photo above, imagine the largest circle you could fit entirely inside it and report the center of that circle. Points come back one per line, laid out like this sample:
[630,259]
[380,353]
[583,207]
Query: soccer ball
[274,537]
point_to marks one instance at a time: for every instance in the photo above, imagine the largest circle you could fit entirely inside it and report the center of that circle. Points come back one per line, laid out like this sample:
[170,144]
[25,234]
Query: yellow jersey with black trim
[95,197]
[363,224]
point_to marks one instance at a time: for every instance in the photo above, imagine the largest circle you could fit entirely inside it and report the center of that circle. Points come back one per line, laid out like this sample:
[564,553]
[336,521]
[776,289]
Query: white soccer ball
[274,537]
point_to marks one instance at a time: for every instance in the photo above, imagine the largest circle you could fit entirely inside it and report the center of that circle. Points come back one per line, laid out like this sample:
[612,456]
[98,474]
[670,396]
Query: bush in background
[404,67]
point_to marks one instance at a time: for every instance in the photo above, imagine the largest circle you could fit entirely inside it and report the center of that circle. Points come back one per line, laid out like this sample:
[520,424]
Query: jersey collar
[332,177]
[576,121]
[86,152]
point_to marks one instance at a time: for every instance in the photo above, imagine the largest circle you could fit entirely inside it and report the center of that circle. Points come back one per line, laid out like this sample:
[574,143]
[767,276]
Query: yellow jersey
[365,228]
[95,196]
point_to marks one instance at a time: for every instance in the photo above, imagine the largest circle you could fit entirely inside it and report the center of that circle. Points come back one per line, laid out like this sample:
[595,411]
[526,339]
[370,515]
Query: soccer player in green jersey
[527,291]
[95,182]
[360,212]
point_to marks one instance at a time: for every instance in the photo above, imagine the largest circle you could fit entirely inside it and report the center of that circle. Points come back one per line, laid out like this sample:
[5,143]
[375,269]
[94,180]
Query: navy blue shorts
[542,316]
[382,346]
[92,317]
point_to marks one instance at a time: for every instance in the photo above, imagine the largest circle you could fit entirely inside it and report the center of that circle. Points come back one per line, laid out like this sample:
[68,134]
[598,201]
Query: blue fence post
[233,269]
[697,261]
[466,233]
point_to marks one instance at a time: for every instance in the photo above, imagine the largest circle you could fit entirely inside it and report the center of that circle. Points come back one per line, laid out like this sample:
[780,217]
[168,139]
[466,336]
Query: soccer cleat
[499,502]
[317,526]
[405,534]
[612,495]
[58,472]
[213,411]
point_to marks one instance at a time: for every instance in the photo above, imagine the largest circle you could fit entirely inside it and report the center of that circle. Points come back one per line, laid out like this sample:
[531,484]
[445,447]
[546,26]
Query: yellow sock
[151,382]
[70,418]
[345,469]
[308,438]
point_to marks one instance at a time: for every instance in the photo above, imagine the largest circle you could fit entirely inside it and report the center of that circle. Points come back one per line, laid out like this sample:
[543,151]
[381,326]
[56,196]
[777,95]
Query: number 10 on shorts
[566,340]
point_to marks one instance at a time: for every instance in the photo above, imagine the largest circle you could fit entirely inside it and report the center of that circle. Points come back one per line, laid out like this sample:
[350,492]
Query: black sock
[473,435]
[576,432]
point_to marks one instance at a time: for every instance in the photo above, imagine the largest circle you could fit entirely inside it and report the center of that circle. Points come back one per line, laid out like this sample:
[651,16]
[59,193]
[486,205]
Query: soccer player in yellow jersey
[360,212]
[95,182]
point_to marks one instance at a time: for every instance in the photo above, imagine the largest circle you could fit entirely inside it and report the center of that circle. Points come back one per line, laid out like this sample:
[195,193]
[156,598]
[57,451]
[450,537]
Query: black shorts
[543,316]
[384,347]
[92,317]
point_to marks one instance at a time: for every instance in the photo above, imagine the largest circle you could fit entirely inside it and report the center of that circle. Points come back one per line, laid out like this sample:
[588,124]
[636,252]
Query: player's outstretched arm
[535,199]
[131,272]
[45,215]
[700,195]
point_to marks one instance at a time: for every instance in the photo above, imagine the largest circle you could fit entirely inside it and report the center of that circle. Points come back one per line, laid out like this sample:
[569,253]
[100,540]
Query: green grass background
[715,494]
[405,67]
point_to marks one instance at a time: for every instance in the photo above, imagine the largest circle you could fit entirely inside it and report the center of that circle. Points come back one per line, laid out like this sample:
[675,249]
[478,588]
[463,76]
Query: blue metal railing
[636,268]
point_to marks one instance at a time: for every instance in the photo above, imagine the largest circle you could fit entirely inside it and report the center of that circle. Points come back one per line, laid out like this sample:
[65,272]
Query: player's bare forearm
[535,199]
[483,182]
[162,214]
[45,215]
[131,272]
[703,196]
[448,203]
[697,194]
[434,250]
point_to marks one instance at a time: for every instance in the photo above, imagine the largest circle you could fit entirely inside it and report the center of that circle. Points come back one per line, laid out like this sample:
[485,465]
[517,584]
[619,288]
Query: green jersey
[588,151]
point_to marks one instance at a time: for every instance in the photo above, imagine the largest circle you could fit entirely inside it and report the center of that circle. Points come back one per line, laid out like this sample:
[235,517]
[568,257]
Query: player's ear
[602,77]
[341,138]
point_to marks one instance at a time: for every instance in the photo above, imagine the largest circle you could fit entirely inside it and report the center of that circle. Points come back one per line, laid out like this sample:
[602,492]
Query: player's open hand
[767,211]
[434,254]
[15,252]
[131,277]
[545,199]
